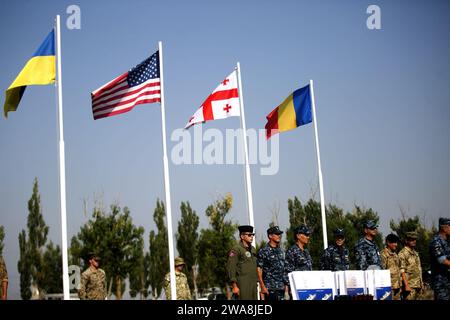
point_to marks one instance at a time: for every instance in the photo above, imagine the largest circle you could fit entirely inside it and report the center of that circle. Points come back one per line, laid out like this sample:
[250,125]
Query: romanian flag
[40,69]
[293,112]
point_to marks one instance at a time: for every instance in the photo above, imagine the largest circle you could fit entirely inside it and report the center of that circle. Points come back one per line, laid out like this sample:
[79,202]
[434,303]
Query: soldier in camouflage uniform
[3,280]
[366,250]
[93,281]
[297,256]
[440,261]
[241,266]
[391,261]
[410,268]
[336,256]
[270,262]
[182,285]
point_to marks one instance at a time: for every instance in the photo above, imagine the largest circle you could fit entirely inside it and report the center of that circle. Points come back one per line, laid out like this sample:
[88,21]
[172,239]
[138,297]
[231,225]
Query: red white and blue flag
[222,103]
[139,85]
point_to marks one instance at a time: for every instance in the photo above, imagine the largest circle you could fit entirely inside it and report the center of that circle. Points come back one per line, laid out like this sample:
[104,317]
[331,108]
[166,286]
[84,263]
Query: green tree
[137,274]
[159,251]
[52,269]
[31,264]
[187,239]
[23,266]
[214,244]
[114,237]
[404,225]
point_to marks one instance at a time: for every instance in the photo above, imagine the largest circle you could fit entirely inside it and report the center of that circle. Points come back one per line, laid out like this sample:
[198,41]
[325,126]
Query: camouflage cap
[179,261]
[444,221]
[302,229]
[274,230]
[411,235]
[243,229]
[370,224]
[339,232]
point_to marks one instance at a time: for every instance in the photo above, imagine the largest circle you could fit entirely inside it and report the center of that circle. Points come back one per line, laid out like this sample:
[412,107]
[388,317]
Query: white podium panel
[355,282]
[379,284]
[312,285]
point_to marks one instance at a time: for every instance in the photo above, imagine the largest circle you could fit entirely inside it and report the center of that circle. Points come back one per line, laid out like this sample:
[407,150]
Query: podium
[325,285]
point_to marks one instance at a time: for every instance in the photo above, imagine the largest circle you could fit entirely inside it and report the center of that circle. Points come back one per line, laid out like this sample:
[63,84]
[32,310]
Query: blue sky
[382,104]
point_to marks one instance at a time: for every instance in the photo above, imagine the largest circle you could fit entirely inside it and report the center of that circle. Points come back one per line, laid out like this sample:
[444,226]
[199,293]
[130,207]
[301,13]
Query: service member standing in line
[410,268]
[181,282]
[391,261]
[297,256]
[336,256]
[3,280]
[93,281]
[241,266]
[271,267]
[366,250]
[440,261]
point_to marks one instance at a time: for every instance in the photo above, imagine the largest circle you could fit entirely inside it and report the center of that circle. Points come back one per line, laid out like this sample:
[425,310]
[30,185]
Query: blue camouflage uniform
[271,261]
[296,260]
[440,273]
[335,258]
[366,254]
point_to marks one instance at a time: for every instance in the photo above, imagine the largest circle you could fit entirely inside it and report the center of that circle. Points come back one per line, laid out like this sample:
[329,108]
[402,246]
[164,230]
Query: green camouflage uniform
[241,268]
[391,261]
[3,274]
[93,285]
[410,265]
[183,292]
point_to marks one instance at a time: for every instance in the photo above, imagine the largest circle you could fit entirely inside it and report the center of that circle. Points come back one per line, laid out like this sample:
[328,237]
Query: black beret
[243,229]
[392,238]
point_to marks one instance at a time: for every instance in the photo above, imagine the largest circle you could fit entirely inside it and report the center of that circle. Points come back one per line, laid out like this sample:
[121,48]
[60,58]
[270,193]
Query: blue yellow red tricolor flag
[39,70]
[293,112]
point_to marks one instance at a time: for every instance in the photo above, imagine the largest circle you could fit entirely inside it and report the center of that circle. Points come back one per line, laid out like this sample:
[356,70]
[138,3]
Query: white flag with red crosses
[222,103]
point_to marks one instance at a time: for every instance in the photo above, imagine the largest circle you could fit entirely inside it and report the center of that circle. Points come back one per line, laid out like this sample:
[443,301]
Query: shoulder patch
[232,253]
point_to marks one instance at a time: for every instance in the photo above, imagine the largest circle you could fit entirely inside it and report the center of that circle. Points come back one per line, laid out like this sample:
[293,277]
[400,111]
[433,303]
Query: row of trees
[120,243]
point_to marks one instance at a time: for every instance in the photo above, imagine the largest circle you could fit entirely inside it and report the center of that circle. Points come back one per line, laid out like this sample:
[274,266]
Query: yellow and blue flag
[293,112]
[39,70]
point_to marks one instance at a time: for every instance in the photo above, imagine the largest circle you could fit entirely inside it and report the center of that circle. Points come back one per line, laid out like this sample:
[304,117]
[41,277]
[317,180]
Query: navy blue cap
[302,229]
[444,221]
[370,224]
[274,230]
[339,232]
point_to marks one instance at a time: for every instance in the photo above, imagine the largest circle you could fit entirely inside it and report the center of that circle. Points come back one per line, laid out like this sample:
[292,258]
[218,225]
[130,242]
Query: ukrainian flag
[39,70]
[293,112]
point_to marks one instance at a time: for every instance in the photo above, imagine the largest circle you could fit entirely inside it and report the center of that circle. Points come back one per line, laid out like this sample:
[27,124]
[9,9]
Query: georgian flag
[222,103]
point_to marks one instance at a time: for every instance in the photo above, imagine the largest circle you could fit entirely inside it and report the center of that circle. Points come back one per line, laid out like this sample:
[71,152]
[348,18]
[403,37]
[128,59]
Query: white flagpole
[173,290]
[248,181]
[319,168]
[62,166]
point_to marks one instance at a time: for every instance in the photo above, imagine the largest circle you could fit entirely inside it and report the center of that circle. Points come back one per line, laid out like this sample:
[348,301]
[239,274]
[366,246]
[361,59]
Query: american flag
[139,85]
